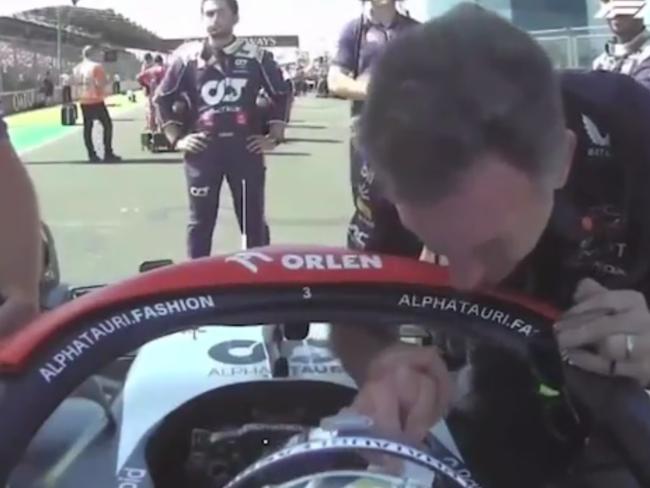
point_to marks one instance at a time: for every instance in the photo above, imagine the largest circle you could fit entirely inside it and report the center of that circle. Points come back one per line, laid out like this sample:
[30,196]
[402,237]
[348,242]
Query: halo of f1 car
[243,405]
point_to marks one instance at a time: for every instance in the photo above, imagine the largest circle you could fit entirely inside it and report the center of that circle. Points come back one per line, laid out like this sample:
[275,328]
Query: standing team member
[66,88]
[629,51]
[220,134]
[362,41]
[47,88]
[522,179]
[91,78]
[147,63]
[20,241]
[150,80]
[117,84]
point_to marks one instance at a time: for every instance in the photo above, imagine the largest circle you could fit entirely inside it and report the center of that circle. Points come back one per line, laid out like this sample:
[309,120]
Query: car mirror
[155,264]
[296,331]
[414,334]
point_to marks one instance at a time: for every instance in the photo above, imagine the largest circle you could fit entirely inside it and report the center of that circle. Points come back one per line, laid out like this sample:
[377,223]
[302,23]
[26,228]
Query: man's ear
[570,143]
[236,19]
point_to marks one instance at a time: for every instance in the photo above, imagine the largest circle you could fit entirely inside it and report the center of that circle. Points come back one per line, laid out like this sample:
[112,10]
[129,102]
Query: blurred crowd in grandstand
[23,65]
[26,64]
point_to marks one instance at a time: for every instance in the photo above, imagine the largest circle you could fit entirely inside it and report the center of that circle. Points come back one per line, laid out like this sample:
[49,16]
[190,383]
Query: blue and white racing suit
[219,93]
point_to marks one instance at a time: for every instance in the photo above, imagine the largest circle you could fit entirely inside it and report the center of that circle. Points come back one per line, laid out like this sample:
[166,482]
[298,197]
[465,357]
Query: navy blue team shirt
[598,222]
[351,56]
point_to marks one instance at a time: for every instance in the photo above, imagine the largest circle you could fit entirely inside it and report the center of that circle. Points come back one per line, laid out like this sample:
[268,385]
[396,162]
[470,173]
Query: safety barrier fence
[25,100]
[574,47]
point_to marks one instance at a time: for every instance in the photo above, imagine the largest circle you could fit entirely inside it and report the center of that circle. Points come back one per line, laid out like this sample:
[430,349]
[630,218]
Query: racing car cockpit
[217,373]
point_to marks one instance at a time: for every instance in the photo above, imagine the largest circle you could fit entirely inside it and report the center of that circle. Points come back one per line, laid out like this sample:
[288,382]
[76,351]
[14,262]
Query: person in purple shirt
[20,241]
[207,106]
[361,43]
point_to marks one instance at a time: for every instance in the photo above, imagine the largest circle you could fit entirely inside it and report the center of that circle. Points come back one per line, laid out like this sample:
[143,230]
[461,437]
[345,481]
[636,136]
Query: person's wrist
[380,361]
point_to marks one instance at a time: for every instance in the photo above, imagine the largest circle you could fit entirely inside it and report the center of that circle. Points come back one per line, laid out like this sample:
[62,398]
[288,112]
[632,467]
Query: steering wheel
[322,456]
[44,362]
[345,445]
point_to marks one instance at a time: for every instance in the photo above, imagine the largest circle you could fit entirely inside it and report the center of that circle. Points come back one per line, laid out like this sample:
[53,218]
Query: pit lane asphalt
[108,218]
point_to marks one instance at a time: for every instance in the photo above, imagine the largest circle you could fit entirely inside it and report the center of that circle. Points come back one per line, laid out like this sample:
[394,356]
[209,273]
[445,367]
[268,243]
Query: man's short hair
[148,57]
[463,85]
[159,59]
[233,5]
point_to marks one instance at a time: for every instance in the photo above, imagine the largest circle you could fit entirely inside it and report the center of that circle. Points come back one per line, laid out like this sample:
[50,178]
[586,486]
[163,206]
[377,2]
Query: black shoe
[112,158]
[93,158]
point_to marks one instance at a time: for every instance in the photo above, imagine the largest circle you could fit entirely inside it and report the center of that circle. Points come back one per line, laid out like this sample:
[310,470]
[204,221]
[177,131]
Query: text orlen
[86,340]
[470,309]
[311,261]
[331,261]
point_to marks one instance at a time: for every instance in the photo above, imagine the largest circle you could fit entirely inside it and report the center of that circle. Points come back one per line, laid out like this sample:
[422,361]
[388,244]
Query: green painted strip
[29,130]
[26,138]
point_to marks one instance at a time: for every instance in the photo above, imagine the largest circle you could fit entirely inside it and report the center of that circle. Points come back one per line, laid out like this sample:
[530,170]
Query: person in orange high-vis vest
[90,77]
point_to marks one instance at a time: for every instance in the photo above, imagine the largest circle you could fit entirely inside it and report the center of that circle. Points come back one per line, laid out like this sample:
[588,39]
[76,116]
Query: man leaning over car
[20,240]
[488,187]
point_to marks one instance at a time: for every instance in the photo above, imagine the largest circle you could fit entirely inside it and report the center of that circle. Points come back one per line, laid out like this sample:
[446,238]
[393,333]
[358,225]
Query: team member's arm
[276,88]
[339,79]
[615,324]
[168,94]
[143,79]
[404,388]
[20,244]
[172,102]
[357,345]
